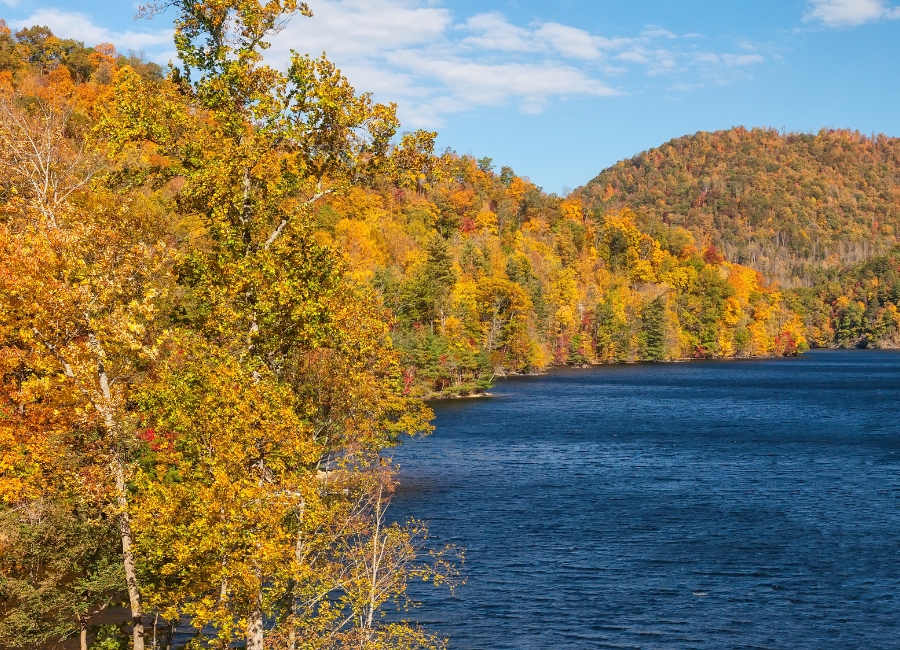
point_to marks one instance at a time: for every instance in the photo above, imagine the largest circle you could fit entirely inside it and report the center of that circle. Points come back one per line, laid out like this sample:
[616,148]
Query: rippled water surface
[745,504]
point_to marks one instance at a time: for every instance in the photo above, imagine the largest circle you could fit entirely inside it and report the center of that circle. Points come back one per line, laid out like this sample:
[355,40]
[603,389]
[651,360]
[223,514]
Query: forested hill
[784,204]
[483,274]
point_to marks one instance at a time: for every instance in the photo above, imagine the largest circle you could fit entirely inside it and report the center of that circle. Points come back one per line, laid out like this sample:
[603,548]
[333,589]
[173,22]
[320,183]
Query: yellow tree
[287,372]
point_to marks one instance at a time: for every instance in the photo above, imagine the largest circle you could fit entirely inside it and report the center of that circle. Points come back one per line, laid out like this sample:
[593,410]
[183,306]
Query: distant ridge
[785,204]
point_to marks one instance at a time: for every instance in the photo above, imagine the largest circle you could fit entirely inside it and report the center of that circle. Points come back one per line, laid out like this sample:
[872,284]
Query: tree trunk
[134,596]
[255,629]
[106,409]
[83,627]
[170,632]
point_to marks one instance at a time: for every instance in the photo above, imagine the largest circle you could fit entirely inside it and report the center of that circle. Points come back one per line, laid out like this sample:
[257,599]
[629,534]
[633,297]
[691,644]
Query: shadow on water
[726,504]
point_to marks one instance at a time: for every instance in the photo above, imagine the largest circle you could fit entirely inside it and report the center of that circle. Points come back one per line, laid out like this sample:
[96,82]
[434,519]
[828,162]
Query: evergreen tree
[653,318]
[426,292]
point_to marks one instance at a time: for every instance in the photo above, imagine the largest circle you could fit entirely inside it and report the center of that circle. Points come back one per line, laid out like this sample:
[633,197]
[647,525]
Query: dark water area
[739,504]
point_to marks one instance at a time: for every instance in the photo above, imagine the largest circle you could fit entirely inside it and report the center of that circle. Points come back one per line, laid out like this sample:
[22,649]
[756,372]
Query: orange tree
[83,279]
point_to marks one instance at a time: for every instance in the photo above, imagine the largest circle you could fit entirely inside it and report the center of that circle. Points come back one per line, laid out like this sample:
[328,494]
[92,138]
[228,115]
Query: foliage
[485,274]
[36,49]
[58,565]
[785,204]
[109,637]
[183,360]
[853,307]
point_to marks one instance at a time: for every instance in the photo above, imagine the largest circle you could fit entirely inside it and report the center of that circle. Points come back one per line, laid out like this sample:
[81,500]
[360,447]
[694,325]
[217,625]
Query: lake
[723,504]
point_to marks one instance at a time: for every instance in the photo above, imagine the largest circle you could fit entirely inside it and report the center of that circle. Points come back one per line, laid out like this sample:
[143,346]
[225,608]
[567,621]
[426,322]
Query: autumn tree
[82,282]
[426,292]
[654,335]
[284,373]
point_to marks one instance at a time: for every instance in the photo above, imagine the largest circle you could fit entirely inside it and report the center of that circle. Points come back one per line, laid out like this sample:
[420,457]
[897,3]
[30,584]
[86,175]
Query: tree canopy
[196,390]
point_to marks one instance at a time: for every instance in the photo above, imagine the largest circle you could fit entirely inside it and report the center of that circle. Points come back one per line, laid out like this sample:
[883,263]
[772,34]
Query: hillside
[785,204]
[853,307]
[478,271]
[484,274]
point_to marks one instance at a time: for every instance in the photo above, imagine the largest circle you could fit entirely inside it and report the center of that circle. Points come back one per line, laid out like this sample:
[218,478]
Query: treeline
[194,391]
[35,50]
[485,274]
[786,204]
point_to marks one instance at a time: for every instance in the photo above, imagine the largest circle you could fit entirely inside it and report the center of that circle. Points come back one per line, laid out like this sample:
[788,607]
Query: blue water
[742,504]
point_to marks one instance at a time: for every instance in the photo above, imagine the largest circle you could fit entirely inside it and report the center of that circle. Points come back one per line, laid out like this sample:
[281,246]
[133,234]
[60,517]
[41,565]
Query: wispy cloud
[849,13]
[480,84]
[358,29]
[729,60]
[492,31]
[416,53]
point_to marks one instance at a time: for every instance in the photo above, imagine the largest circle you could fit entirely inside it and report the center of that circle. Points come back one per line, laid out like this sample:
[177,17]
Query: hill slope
[485,274]
[853,307]
[784,204]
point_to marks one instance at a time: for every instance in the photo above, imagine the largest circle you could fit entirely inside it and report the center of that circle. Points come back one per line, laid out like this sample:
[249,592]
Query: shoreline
[549,369]
[443,398]
[440,397]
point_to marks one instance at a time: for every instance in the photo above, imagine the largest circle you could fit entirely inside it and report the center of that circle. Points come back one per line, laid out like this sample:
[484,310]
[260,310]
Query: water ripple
[749,504]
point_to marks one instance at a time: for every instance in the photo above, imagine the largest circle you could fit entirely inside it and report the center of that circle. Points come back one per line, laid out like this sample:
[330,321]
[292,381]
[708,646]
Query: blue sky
[561,90]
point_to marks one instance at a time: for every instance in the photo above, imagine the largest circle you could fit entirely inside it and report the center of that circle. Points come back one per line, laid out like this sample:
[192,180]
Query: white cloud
[388,83]
[572,42]
[849,13]
[494,32]
[415,53]
[359,28]
[652,31]
[494,84]
[729,60]
[656,61]
[81,27]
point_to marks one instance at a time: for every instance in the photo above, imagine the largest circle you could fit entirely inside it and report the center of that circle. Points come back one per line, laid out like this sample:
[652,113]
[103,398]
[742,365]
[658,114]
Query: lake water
[739,504]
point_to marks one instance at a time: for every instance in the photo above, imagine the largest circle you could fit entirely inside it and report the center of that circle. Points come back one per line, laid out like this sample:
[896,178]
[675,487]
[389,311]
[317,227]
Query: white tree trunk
[82,623]
[134,595]
[106,408]
[255,640]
